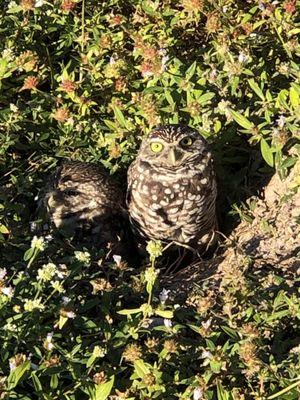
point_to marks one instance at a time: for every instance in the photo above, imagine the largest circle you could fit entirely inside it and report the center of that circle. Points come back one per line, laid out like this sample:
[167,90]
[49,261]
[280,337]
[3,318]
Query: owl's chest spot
[172,202]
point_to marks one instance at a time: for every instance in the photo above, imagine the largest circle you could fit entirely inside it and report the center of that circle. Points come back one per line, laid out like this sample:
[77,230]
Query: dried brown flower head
[247,28]
[61,114]
[149,380]
[17,360]
[100,285]
[192,6]
[194,108]
[68,86]
[170,345]
[68,5]
[27,61]
[52,362]
[99,377]
[290,6]
[105,42]
[202,303]
[248,351]
[151,343]
[213,22]
[27,5]
[30,83]
[132,352]
[115,20]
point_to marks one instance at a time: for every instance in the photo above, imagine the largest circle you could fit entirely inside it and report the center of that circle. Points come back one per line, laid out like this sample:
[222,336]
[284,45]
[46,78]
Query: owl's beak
[173,157]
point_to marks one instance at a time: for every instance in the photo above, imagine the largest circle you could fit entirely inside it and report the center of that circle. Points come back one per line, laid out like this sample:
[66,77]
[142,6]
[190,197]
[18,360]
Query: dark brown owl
[172,188]
[84,197]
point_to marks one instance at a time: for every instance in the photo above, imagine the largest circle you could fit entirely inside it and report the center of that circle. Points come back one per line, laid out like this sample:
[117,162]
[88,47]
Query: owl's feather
[169,199]
[83,196]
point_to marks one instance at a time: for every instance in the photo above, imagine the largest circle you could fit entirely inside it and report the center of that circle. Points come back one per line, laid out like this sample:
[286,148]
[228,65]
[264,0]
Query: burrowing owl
[83,196]
[172,188]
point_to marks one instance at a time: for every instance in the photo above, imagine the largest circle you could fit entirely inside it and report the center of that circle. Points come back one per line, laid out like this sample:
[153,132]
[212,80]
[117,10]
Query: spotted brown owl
[172,188]
[84,197]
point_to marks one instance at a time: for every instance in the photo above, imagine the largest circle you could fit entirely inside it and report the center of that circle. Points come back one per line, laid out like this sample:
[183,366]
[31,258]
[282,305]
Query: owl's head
[173,146]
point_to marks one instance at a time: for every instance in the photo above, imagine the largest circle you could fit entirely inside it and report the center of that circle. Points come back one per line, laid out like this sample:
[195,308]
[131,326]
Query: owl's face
[173,146]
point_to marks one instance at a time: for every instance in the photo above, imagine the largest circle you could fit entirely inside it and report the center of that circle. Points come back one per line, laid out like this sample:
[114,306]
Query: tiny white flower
[48,345]
[10,327]
[33,226]
[12,4]
[8,54]
[38,243]
[164,295]
[206,354]
[147,74]
[168,323]
[8,291]
[99,351]
[49,237]
[198,394]
[30,305]
[13,108]
[3,273]
[242,57]
[58,286]
[62,271]
[66,300]
[83,256]
[12,364]
[39,3]
[281,121]
[117,259]
[206,324]
[47,272]
[70,314]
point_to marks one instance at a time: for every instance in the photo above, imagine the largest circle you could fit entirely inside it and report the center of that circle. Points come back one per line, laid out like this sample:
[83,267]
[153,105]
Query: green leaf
[266,152]
[16,375]
[90,361]
[3,229]
[103,390]
[205,98]
[169,98]
[28,254]
[285,390]
[129,312]
[120,117]
[37,383]
[222,393]
[294,97]
[165,313]
[254,86]
[241,120]
[14,10]
[3,67]
[111,125]
[190,71]
[141,368]
[230,332]
[294,31]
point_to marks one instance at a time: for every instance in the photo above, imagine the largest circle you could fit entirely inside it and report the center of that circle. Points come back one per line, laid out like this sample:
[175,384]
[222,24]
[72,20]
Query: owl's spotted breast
[173,203]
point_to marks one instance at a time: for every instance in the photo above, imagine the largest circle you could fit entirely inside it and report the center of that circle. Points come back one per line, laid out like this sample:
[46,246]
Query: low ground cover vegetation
[86,80]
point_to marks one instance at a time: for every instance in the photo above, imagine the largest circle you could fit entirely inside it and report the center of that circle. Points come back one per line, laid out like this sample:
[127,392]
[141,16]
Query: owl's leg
[177,263]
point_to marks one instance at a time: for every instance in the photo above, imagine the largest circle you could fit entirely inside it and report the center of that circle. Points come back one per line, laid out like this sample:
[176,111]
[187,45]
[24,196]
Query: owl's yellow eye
[156,147]
[187,141]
